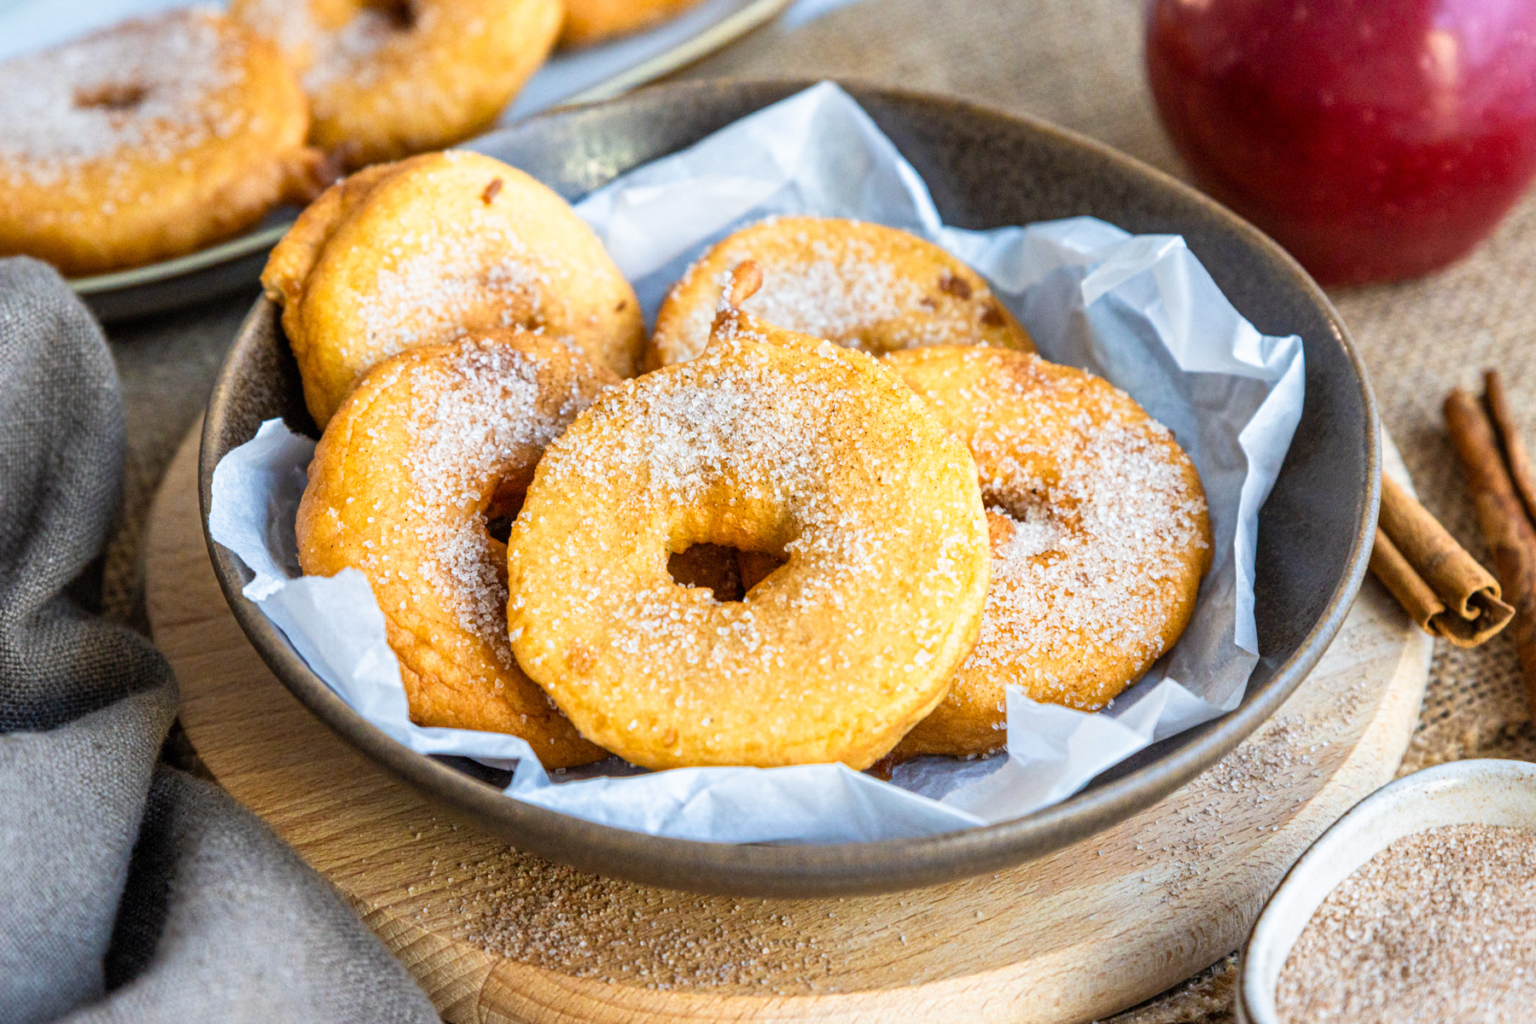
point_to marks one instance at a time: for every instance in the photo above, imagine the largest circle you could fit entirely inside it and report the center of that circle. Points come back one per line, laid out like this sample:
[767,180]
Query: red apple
[1374,139]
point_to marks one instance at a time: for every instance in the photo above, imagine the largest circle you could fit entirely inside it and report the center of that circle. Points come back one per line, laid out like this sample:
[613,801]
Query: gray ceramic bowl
[985,169]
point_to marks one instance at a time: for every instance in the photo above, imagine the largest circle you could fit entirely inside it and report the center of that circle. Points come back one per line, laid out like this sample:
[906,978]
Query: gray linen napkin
[128,892]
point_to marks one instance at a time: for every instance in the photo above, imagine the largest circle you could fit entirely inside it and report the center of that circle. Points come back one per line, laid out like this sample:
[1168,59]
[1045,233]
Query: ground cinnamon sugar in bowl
[1439,926]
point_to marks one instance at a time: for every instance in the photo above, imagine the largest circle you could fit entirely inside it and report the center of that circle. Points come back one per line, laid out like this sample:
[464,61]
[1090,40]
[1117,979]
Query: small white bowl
[1482,792]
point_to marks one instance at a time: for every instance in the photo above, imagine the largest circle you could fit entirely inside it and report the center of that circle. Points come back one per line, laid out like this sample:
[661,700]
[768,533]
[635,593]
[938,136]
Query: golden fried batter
[431,445]
[388,79]
[433,247]
[596,21]
[800,448]
[146,141]
[1099,536]
[860,285]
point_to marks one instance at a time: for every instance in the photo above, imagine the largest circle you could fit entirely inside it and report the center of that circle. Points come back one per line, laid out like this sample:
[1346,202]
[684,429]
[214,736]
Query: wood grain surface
[495,935]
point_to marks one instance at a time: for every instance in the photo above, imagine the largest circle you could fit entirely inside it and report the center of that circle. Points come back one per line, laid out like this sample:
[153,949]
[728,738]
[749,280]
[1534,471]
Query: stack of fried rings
[155,137]
[903,543]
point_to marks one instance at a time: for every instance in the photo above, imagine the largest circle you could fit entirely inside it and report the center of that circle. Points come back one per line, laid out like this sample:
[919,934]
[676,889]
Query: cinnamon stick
[1515,456]
[1416,596]
[1502,518]
[1443,587]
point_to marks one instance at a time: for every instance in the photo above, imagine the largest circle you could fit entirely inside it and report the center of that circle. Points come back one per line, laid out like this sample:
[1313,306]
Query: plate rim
[845,868]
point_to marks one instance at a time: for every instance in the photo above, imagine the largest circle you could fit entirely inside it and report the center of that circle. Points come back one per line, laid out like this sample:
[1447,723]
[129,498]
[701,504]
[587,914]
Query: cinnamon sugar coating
[427,250]
[430,444]
[863,286]
[1099,537]
[803,450]
[146,141]
[386,80]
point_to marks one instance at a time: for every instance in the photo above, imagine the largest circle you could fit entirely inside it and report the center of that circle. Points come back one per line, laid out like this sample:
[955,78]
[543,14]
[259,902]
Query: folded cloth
[128,892]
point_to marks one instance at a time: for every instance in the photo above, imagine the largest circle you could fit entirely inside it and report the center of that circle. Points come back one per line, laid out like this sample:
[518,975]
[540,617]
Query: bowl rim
[1406,806]
[838,869]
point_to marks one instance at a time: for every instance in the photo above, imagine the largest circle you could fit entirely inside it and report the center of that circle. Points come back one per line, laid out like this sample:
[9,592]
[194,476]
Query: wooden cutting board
[495,935]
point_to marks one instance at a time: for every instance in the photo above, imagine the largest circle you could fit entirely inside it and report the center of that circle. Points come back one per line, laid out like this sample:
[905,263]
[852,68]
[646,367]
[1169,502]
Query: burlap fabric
[1078,63]
[130,891]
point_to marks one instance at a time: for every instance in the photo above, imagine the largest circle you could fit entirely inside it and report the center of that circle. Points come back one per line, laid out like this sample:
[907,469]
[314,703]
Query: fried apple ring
[389,78]
[805,449]
[596,21]
[146,141]
[863,286]
[432,444]
[1099,537]
[432,248]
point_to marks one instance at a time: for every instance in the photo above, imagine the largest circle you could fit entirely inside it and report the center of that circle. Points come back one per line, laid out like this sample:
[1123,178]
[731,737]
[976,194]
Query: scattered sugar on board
[519,906]
[1440,926]
[589,927]
[1256,789]
[152,87]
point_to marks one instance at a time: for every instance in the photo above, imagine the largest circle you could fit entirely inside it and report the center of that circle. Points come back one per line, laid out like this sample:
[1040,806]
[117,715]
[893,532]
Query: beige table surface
[1078,63]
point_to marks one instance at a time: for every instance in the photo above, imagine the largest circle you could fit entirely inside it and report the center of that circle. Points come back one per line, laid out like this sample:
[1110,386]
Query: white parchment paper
[1139,310]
